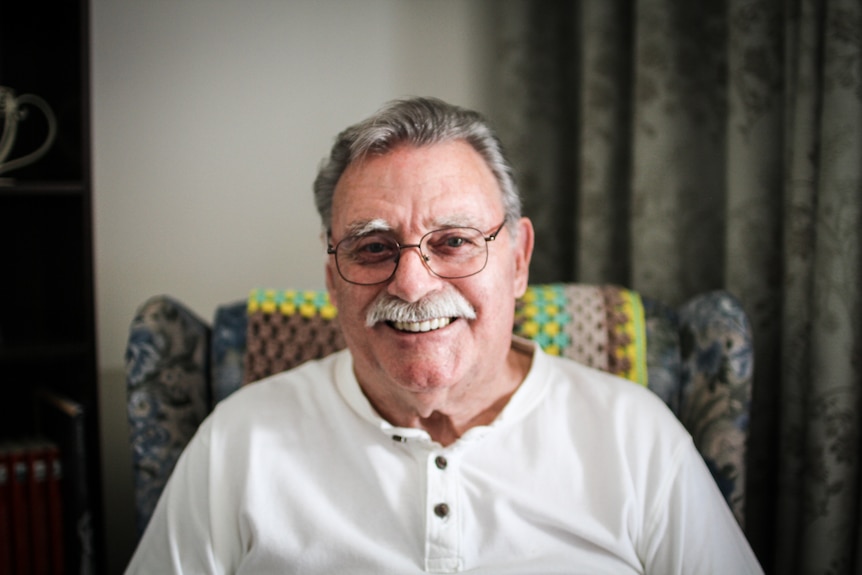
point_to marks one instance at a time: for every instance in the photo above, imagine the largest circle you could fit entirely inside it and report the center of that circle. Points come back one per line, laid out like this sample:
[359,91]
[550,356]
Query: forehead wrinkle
[459,221]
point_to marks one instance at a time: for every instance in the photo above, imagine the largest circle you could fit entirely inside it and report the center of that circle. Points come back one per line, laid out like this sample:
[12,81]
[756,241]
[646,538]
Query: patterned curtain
[677,147]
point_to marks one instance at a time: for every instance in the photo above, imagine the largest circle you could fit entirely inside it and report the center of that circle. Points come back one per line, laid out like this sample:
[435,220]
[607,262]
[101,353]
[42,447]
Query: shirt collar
[520,404]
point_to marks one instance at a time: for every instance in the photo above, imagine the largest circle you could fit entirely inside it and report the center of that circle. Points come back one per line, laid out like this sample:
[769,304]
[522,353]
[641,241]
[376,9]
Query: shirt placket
[442,514]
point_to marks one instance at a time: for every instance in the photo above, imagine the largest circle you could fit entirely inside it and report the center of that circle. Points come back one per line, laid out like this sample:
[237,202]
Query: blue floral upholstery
[167,378]
[698,358]
[228,351]
[717,363]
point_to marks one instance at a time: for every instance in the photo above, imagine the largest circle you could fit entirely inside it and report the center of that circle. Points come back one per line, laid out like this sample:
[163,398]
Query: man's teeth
[420,326]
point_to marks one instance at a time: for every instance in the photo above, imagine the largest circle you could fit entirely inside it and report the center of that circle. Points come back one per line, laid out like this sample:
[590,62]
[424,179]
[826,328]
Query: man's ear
[523,253]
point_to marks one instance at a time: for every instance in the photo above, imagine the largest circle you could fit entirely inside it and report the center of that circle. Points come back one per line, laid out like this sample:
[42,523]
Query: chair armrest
[715,396]
[168,393]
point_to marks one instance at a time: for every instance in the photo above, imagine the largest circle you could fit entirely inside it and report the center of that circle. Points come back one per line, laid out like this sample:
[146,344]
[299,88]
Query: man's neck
[446,430]
[457,414]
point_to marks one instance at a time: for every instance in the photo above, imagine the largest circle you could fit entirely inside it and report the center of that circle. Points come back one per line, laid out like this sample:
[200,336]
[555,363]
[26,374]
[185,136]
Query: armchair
[698,358]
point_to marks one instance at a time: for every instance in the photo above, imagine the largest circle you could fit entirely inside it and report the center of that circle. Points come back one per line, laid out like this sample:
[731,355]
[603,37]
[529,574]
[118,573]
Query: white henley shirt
[582,472]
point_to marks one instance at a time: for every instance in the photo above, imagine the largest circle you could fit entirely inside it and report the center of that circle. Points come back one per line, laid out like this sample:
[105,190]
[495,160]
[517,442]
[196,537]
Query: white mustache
[436,305]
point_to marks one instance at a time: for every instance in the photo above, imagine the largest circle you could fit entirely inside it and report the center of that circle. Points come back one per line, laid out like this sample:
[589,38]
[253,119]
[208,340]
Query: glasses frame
[332,250]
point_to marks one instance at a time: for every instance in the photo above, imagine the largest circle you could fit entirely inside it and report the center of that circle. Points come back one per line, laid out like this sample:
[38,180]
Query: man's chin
[422,372]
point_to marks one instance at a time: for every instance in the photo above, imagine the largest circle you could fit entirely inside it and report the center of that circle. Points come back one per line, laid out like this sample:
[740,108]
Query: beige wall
[209,119]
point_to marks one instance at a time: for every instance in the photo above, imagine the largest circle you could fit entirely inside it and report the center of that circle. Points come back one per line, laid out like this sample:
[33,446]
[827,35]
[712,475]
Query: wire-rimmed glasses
[449,253]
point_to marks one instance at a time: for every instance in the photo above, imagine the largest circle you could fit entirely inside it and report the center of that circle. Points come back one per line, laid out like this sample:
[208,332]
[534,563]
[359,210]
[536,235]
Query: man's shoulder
[590,379]
[596,391]
[312,381]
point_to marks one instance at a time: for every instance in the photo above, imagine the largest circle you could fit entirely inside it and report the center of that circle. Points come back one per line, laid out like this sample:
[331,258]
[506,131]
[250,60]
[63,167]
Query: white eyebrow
[363,228]
[378,225]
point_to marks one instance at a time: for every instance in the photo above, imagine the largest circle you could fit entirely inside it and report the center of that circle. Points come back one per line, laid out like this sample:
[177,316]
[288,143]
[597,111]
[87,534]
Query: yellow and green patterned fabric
[309,303]
[287,328]
[600,326]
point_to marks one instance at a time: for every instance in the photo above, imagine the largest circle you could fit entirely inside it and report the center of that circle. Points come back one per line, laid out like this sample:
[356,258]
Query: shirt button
[441,510]
[440,462]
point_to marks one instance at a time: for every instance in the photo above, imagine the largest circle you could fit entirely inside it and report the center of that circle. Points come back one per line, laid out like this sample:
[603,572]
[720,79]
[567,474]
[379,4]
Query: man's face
[412,191]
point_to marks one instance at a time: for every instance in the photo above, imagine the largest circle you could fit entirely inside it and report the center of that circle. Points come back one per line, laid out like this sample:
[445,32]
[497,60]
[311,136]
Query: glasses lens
[449,253]
[455,252]
[366,259]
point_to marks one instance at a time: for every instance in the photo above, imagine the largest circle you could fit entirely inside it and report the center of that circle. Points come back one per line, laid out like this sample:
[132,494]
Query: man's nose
[413,279]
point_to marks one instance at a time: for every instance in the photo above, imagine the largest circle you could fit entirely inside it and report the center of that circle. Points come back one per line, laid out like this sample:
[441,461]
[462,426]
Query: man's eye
[372,250]
[450,242]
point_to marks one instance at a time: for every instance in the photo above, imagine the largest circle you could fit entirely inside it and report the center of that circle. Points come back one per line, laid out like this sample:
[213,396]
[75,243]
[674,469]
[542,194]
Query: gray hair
[418,122]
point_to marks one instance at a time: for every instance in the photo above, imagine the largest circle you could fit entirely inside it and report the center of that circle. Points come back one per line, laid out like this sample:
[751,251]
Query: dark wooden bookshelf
[47,313]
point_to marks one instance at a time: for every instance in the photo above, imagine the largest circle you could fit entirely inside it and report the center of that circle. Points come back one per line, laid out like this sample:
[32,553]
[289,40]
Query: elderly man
[436,442]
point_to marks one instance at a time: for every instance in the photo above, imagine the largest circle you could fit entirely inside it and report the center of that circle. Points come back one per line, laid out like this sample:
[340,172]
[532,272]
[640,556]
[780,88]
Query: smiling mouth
[421,326]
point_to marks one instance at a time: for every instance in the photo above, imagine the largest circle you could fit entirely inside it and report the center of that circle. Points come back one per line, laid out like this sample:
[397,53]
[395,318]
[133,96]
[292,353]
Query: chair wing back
[167,384]
[717,370]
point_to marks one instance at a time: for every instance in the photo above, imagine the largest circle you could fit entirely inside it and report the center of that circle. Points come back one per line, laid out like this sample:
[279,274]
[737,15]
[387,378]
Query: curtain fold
[820,440]
[677,147]
[603,159]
